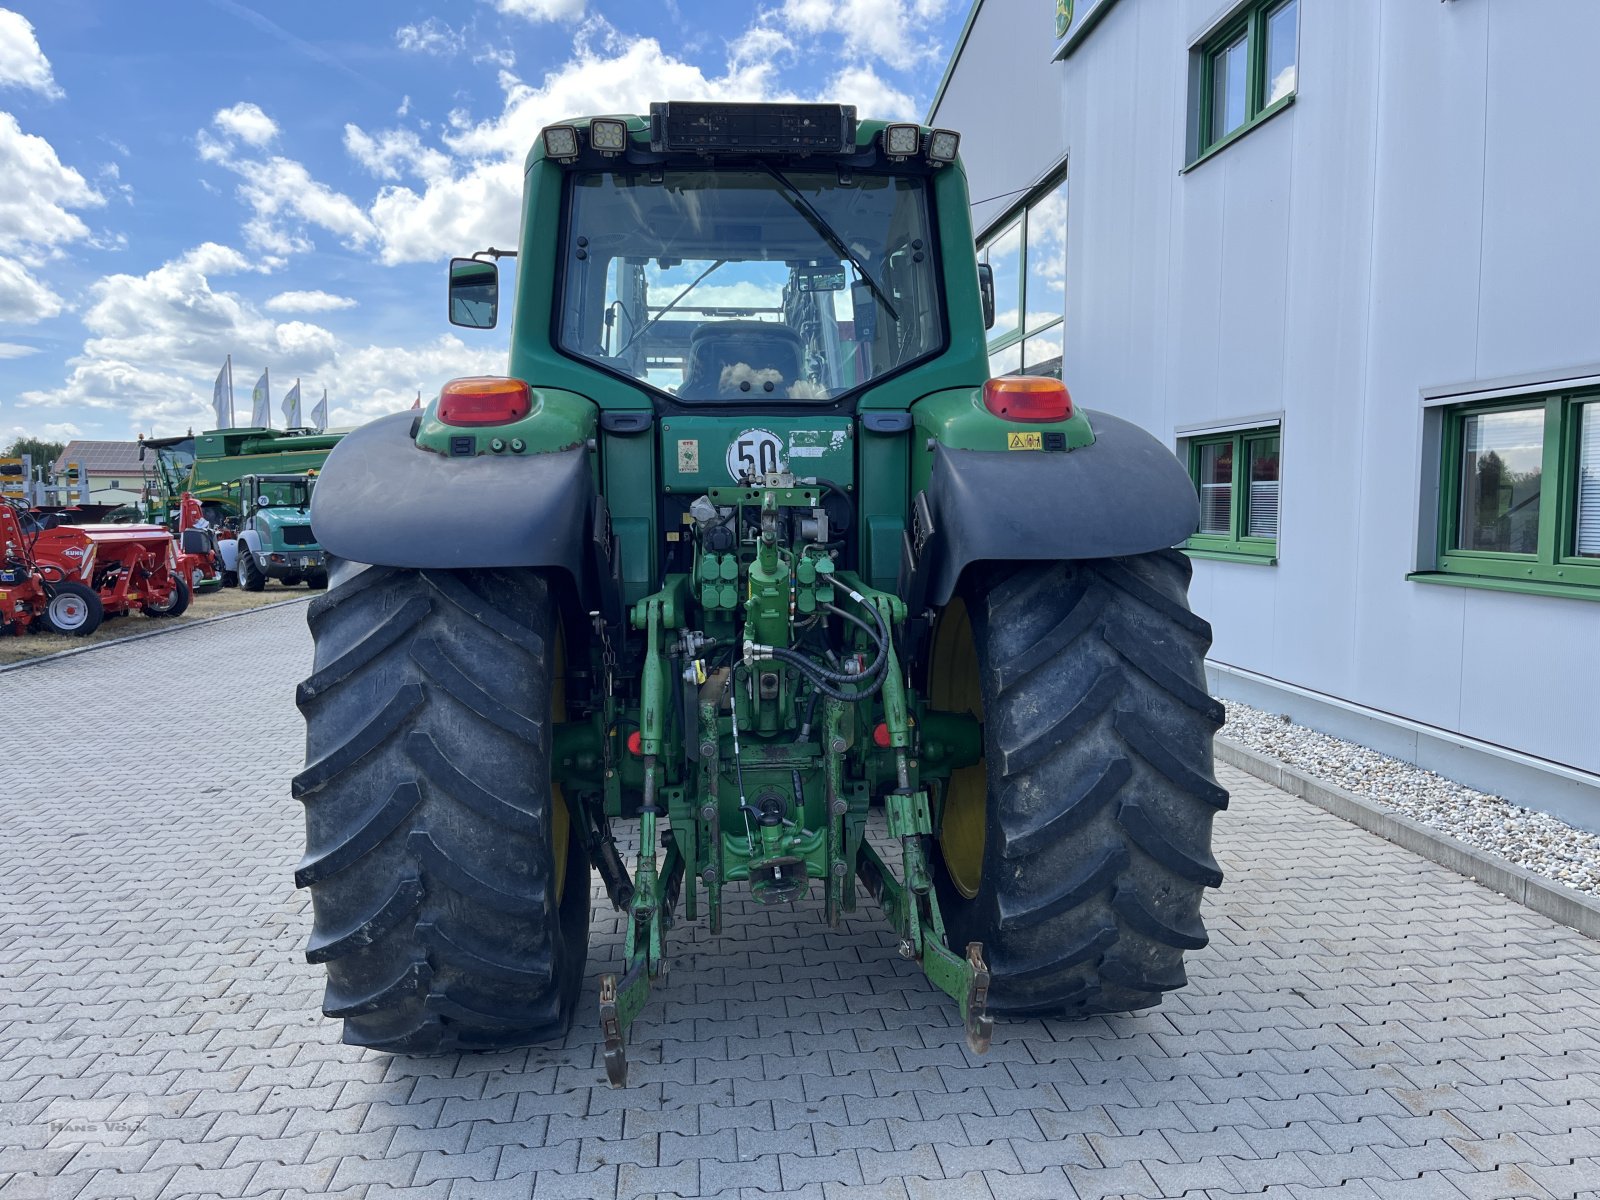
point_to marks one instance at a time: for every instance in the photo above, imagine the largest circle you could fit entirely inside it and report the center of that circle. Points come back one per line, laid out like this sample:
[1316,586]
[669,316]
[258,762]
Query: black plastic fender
[1123,494]
[382,500]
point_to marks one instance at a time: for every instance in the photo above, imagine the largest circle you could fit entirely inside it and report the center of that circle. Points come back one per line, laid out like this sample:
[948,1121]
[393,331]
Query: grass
[206,604]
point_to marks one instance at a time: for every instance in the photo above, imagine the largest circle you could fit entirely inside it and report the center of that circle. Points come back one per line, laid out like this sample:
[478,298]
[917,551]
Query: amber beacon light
[1027,398]
[484,400]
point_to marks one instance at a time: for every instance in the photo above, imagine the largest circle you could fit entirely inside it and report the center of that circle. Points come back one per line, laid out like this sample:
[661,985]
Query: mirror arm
[491,252]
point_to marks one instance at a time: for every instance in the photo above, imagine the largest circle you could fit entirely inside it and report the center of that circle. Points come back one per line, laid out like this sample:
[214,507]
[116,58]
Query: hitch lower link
[912,906]
[909,901]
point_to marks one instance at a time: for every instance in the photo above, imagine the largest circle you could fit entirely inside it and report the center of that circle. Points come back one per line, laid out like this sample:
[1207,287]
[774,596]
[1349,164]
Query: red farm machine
[32,593]
[110,569]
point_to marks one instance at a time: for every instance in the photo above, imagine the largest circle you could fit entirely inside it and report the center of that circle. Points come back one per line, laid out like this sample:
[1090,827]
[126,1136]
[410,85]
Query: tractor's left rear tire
[450,891]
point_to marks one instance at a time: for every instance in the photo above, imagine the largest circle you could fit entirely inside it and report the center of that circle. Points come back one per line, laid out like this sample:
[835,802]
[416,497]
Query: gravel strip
[1532,840]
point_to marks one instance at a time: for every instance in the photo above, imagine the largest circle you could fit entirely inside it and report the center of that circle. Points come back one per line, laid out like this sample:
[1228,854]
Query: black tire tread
[435,909]
[1098,733]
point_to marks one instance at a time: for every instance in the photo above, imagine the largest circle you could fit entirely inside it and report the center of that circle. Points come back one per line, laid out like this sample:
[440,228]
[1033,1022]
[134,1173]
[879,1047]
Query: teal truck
[275,539]
[747,547]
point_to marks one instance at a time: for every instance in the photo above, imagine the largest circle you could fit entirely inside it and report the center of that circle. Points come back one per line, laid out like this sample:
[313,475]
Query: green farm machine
[275,539]
[747,547]
[209,466]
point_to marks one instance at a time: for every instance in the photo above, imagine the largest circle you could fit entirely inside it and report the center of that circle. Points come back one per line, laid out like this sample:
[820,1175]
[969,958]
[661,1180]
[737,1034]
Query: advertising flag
[417,403]
[261,403]
[319,414]
[220,399]
[291,407]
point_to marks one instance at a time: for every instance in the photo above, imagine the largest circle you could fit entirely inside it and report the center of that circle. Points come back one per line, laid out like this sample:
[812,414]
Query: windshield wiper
[650,324]
[820,223]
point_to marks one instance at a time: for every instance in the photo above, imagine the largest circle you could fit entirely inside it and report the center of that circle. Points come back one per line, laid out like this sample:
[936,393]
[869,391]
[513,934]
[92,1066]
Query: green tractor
[775,569]
[275,539]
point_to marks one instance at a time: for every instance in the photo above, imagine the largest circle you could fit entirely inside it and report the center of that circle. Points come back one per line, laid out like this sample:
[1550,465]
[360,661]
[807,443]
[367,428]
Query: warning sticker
[1025,441]
[689,456]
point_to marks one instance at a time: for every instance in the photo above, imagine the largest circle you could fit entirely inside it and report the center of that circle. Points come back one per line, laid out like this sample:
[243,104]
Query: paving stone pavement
[1363,1024]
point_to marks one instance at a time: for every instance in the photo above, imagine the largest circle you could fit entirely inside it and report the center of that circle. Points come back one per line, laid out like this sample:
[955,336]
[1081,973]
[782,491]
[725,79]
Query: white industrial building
[1343,256]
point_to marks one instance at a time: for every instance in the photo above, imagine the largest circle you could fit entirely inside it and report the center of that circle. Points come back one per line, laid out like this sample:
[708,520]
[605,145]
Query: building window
[1520,491]
[1028,255]
[1236,475]
[1248,72]
[115,483]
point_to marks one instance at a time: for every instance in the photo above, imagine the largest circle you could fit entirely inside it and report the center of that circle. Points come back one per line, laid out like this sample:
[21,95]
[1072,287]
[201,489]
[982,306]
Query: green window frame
[1562,537]
[1033,345]
[1254,42]
[1238,478]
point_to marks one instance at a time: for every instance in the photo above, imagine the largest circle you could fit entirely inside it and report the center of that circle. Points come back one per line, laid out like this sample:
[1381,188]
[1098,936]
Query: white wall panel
[1541,231]
[1424,214]
[1004,98]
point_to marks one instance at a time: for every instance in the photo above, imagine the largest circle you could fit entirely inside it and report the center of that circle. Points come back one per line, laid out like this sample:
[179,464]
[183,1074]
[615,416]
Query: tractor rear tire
[251,577]
[449,888]
[1096,791]
[73,609]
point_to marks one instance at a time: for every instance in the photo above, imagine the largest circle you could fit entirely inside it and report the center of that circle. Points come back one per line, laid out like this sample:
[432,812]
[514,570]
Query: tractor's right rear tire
[1078,851]
[251,577]
[450,893]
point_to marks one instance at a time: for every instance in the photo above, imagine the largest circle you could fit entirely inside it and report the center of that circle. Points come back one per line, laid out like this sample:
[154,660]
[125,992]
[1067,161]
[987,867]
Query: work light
[607,136]
[561,141]
[942,146]
[901,141]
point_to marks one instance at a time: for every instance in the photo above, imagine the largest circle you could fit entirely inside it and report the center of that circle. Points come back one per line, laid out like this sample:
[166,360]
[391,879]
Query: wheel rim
[954,685]
[560,816]
[68,612]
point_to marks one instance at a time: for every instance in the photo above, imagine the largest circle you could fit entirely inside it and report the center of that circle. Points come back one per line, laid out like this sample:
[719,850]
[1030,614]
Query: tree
[44,453]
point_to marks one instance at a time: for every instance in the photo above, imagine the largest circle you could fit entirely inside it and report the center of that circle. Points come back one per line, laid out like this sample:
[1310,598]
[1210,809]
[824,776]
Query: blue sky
[283,180]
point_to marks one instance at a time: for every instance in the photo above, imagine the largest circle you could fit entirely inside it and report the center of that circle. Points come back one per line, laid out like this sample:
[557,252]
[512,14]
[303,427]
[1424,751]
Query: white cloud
[872,96]
[246,122]
[308,302]
[283,197]
[895,31]
[432,36]
[38,193]
[16,350]
[36,220]
[22,62]
[472,199]
[23,299]
[542,10]
[52,431]
[157,340]
[386,153]
[503,57]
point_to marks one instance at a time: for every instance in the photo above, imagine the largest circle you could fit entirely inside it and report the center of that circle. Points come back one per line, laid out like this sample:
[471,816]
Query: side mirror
[986,290]
[474,293]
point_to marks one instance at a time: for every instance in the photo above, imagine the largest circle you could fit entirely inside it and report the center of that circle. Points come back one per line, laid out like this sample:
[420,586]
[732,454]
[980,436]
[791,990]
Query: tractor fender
[1122,494]
[228,551]
[380,499]
[250,540]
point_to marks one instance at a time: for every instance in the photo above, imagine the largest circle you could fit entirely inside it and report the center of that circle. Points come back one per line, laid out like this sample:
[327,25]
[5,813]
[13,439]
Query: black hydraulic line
[810,670]
[850,521]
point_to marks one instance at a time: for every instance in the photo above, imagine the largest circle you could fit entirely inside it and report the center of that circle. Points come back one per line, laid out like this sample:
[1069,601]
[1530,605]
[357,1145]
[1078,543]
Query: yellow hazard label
[1024,441]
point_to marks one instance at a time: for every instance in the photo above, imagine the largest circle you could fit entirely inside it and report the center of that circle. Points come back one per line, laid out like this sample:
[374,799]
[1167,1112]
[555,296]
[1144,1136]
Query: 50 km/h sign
[754,452]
